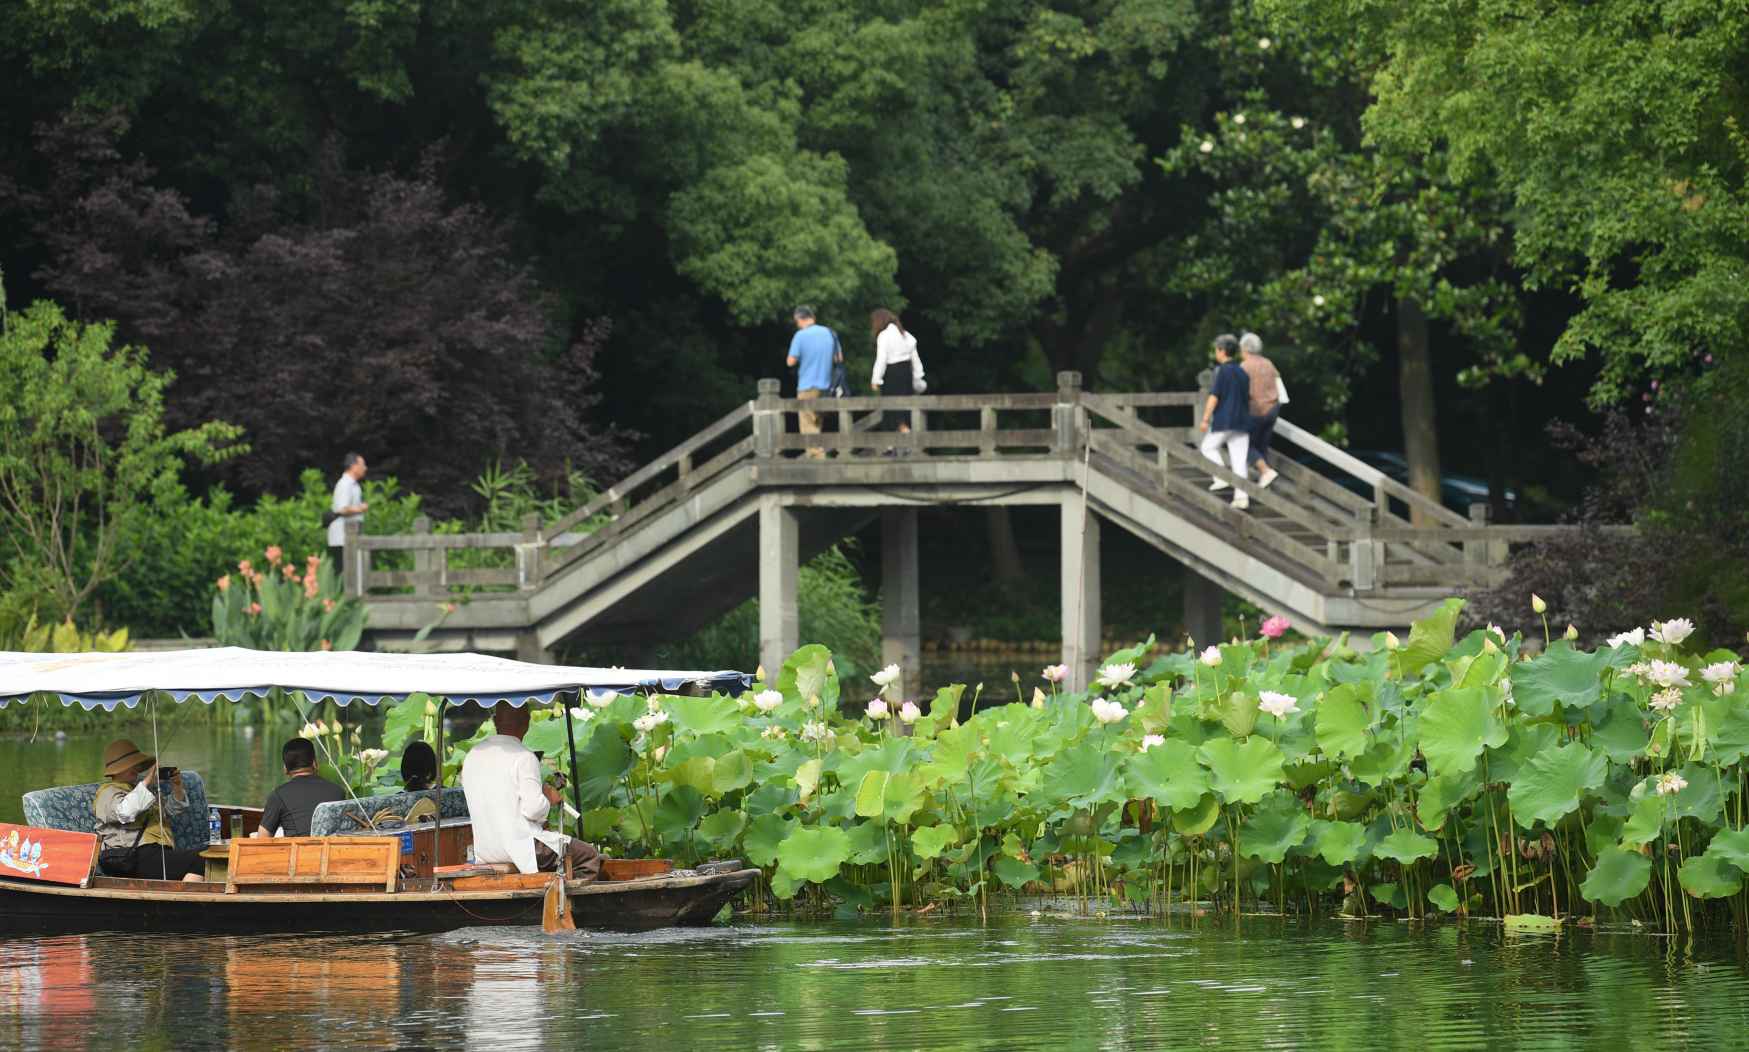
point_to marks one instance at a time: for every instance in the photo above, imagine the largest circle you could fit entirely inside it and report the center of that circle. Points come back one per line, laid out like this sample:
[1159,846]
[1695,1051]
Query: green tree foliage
[84,454]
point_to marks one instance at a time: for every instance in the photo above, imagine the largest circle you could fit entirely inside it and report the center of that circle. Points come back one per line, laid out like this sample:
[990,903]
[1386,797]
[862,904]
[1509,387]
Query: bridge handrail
[1383,485]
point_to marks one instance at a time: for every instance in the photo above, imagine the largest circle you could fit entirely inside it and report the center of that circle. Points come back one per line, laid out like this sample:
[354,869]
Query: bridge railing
[1345,539]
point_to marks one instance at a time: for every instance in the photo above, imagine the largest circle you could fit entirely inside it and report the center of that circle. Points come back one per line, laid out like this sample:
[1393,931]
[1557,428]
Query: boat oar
[555,912]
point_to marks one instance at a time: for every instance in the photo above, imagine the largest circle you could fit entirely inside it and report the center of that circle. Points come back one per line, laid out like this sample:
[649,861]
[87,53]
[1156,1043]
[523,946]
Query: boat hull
[113,905]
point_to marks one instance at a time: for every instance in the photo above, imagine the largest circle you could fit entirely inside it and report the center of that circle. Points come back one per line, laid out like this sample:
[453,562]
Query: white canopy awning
[104,681]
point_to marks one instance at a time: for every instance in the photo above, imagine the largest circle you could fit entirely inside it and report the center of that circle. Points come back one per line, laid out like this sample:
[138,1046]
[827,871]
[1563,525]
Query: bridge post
[901,620]
[1202,608]
[354,561]
[528,649]
[767,422]
[1066,416]
[1080,589]
[779,569]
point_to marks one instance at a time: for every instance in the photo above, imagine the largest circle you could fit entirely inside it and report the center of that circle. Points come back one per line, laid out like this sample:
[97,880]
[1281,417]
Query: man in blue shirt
[812,350]
[1227,416]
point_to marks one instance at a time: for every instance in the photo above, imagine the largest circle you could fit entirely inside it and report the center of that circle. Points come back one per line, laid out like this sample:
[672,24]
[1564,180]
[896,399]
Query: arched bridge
[733,511]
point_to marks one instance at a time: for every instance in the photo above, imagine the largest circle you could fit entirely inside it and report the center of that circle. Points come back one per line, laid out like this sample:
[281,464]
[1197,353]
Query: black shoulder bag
[119,861]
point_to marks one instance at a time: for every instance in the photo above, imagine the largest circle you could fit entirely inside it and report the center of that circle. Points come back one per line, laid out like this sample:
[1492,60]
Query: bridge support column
[779,568]
[1080,590]
[528,648]
[1202,608]
[901,619]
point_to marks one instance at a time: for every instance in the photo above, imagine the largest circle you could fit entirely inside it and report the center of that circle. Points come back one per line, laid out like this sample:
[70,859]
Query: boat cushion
[70,807]
[345,816]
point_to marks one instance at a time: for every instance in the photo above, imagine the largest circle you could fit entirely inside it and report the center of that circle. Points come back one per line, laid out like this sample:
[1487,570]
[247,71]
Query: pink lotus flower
[273,553]
[225,583]
[1056,673]
[1274,627]
[877,709]
[909,712]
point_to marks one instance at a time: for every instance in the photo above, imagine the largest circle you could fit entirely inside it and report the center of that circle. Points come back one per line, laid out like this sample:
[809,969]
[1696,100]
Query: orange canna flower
[310,586]
[254,608]
[327,645]
[290,571]
[225,583]
[245,567]
[273,553]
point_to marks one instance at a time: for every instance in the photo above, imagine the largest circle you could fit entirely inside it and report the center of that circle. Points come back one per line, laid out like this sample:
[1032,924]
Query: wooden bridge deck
[729,514]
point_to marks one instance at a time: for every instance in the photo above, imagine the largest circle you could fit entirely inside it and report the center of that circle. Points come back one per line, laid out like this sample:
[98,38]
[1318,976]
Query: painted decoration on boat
[55,856]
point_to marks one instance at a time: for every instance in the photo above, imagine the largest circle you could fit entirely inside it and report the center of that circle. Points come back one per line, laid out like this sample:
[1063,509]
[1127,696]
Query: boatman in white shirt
[508,803]
[348,505]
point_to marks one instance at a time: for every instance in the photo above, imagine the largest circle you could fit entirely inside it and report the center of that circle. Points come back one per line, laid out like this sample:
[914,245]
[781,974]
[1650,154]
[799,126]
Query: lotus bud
[1014,677]
[1392,642]
[759,674]
[1537,605]
[1038,698]
[1571,634]
[431,708]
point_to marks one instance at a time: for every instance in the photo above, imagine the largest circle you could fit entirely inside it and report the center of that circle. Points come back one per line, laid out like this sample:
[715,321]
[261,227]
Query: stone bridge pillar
[901,619]
[1080,589]
[1202,608]
[779,568]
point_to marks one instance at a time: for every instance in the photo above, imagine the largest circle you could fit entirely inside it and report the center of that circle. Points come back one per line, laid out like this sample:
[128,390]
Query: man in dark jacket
[291,806]
[1227,416]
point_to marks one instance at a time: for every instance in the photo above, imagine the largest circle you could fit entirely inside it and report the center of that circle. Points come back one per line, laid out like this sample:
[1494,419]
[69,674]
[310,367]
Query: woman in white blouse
[898,348]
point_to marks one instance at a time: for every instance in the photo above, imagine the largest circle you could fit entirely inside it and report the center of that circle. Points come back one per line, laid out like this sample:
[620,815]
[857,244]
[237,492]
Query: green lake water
[1058,982]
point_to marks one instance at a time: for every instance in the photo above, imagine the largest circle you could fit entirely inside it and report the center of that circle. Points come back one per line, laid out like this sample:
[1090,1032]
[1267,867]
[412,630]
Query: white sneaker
[1216,486]
[1241,502]
[1267,475]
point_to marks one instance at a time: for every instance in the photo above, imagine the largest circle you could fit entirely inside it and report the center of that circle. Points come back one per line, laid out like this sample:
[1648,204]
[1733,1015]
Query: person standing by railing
[348,505]
[894,347]
[1266,391]
[812,351]
[1227,416]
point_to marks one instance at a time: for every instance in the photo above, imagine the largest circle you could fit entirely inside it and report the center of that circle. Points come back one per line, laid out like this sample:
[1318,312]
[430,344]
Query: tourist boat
[408,877]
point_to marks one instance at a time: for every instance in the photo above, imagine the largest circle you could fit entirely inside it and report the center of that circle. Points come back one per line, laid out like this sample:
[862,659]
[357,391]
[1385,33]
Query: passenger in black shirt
[290,806]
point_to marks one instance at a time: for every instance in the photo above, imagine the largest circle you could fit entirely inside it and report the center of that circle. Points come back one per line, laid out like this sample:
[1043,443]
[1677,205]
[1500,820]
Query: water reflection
[1015,984]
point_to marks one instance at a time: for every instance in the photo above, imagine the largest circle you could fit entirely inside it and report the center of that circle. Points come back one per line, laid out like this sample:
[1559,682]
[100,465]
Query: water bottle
[212,826]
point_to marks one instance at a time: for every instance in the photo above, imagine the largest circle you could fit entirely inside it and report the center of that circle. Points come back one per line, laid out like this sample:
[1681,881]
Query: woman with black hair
[418,767]
[895,347]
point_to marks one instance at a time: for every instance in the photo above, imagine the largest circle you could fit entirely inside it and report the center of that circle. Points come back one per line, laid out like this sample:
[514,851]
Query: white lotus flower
[582,715]
[1392,642]
[1151,740]
[1263,43]
[877,709]
[1238,118]
[1635,638]
[1722,675]
[1112,677]
[1667,674]
[1107,711]
[775,731]
[766,700]
[649,721]
[312,730]
[1670,782]
[1211,657]
[886,676]
[373,757]
[1277,705]
[1673,631]
[816,731]
[603,699]
[652,704]
[1666,700]
[1298,123]
[1317,301]
[1208,146]
[1056,673]
[910,713]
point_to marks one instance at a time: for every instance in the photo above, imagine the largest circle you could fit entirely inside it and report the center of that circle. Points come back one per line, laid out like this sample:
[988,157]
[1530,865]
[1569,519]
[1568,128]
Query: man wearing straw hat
[130,818]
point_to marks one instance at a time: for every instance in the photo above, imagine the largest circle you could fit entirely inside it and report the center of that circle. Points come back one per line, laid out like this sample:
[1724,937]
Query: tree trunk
[1415,396]
[1005,567]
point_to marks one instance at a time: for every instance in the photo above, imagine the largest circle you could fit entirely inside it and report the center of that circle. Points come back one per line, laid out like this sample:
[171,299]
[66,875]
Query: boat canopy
[104,681]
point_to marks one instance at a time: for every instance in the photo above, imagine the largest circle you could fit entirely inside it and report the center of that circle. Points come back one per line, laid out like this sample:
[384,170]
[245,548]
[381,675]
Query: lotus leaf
[1700,798]
[1167,773]
[722,828]
[944,708]
[903,797]
[600,822]
[1388,759]
[1530,922]
[679,812]
[1195,821]
[1622,734]
[1456,724]
[1084,774]
[871,795]
[1523,741]
[1617,877]
[1389,894]
[1406,846]
[1013,872]
[1555,782]
[1338,843]
[1443,793]
[1646,820]
[713,715]
[1242,772]
[1429,638]
[814,854]
[1443,896]
[1279,825]
[931,841]
[1305,774]
[1561,676]
[695,773]
[868,843]
[808,674]
[1729,744]
[602,765]
[763,836]
[1731,845]
[1342,721]
[1238,713]
[808,778]
[1709,877]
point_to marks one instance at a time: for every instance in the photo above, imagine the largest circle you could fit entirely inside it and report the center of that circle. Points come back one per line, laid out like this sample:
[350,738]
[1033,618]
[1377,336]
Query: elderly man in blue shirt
[812,352]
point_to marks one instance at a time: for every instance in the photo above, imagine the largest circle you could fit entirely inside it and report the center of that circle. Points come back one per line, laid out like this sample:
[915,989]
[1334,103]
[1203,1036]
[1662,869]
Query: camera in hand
[168,772]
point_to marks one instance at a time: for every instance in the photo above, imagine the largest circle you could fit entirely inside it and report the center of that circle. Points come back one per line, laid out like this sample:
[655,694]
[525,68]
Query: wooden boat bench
[290,863]
[69,807]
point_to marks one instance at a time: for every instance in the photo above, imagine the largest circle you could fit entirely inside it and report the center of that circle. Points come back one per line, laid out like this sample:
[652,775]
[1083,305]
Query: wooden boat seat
[282,861]
[69,807]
